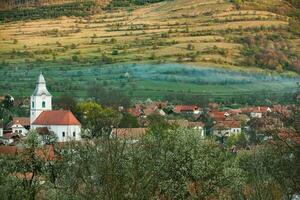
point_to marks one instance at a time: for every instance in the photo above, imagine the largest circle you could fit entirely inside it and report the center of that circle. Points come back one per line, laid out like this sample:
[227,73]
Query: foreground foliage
[170,164]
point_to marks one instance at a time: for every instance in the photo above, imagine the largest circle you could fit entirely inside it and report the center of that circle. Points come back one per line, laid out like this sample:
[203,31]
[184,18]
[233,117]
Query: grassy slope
[212,26]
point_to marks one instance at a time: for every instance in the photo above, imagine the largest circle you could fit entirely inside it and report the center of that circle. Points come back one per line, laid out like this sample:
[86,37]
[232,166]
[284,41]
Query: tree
[75,58]
[66,102]
[128,121]
[111,98]
[8,102]
[98,120]
[238,140]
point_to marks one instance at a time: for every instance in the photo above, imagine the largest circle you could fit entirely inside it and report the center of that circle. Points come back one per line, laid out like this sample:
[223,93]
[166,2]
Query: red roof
[222,125]
[56,117]
[217,115]
[134,111]
[185,108]
[24,121]
[258,109]
[10,135]
[12,150]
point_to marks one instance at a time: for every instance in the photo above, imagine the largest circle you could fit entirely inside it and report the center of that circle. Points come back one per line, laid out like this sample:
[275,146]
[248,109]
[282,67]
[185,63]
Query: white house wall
[18,128]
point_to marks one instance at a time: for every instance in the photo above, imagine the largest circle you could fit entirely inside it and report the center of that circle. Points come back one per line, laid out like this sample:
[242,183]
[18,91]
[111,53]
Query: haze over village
[150,99]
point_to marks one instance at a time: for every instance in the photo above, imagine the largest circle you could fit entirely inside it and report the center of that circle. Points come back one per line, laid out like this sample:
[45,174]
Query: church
[62,123]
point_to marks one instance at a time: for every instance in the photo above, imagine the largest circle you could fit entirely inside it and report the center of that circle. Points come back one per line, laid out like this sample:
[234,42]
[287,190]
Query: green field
[142,81]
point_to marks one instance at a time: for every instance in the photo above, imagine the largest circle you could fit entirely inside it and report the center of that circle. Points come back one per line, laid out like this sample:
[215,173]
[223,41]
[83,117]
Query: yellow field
[160,31]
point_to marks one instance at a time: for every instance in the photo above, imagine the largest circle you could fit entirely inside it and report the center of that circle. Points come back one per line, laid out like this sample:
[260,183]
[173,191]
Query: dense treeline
[52,11]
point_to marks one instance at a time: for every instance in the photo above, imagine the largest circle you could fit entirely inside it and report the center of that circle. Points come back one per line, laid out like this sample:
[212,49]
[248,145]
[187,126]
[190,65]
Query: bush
[75,58]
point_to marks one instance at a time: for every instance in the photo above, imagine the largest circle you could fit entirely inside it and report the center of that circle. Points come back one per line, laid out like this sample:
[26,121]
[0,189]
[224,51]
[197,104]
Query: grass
[145,80]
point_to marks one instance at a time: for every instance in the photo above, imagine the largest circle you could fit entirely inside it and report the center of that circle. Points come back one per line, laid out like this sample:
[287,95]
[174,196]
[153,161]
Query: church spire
[41,99]
[40,88]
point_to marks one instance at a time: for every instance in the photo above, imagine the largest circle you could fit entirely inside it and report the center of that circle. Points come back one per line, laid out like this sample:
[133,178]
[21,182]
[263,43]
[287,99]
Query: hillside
[200,31]
[247,37]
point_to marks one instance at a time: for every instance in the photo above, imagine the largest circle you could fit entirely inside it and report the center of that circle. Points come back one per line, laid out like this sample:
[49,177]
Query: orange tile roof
[11,135]
[56,117]
[11,150]
[24,121]
[227,125]
[259,109]
[217,115]
[134,111]
[184,108]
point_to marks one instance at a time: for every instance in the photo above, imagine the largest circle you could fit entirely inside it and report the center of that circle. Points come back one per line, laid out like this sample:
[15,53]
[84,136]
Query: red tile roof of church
[56,117]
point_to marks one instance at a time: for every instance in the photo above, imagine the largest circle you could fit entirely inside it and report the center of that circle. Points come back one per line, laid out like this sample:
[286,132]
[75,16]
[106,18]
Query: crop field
[199,31]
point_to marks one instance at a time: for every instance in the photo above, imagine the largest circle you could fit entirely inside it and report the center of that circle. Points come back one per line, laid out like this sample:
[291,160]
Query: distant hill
[232,33]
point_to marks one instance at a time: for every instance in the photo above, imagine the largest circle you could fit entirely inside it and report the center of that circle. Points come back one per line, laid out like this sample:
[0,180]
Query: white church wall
[68,131]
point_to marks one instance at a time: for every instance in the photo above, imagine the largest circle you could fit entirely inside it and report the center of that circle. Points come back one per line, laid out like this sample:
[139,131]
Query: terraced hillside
[199,31]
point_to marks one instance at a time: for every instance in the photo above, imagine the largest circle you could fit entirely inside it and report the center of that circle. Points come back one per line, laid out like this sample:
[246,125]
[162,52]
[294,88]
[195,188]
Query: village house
[19,125]
[186,109]
[11,138]
[198,126]
[136,112]
[62,123]
[218,115]
[130,134]
[282,110]
[256,112]
[150,108]
[226,128]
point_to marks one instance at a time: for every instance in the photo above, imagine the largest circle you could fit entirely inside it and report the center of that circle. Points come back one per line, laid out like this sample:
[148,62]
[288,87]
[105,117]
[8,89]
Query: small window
[63,134]
[32,104]
[20,131]
[43,104]
[74,134]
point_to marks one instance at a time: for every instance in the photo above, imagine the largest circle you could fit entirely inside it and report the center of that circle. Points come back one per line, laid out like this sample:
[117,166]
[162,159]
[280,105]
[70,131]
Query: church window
[32,104]
[63,134]
[74,134]
[43,104]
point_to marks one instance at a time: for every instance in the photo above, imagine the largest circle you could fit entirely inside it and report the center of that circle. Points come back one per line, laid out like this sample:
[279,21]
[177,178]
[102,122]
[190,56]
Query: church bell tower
[40,100]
